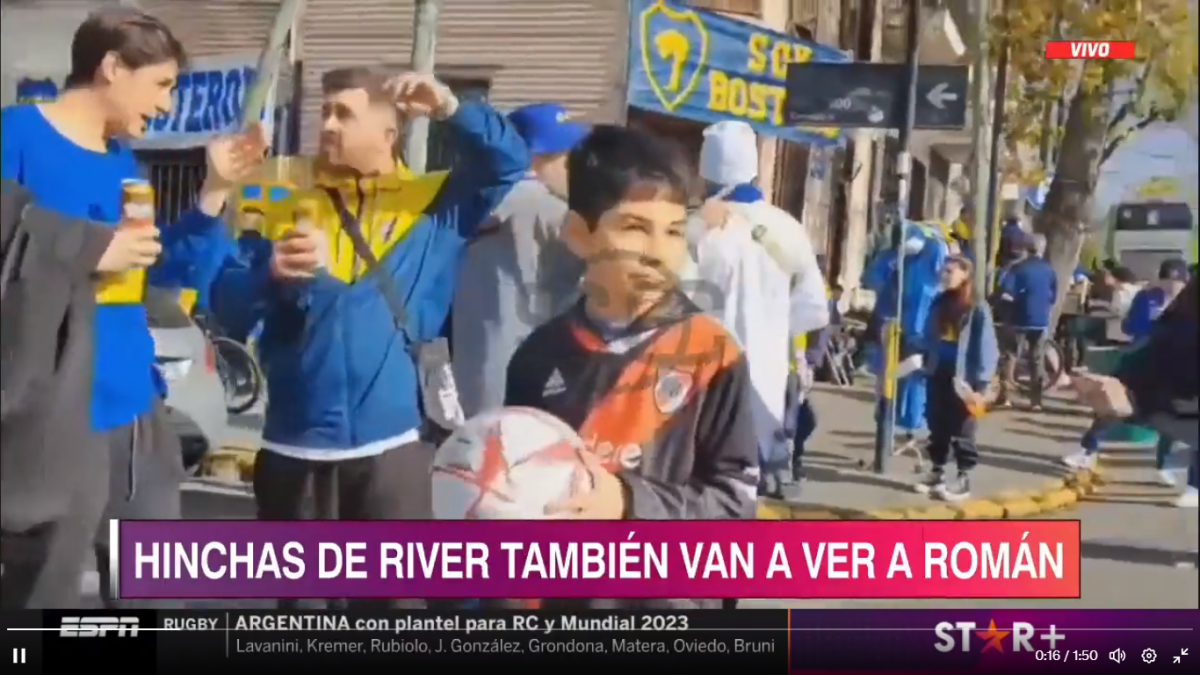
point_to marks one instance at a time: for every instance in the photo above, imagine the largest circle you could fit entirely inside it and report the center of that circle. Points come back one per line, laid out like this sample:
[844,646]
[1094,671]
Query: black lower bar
[980,641]
[214,642]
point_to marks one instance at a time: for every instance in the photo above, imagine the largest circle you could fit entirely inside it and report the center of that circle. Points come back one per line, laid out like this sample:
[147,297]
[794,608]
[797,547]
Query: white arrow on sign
[938,96]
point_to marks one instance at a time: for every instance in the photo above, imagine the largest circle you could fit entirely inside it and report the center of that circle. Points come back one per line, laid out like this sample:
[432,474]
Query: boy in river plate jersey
[658,390]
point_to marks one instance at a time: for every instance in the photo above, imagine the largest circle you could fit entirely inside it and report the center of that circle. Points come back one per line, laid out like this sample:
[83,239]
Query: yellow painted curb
[1020,508]
[801,513]
[773,509]
[229,464]
[1054,495]
[937,512]
[981,509]
[1058,500]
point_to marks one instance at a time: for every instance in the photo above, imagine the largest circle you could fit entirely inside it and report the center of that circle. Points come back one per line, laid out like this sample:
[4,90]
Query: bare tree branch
[1135,96]
[1111,146]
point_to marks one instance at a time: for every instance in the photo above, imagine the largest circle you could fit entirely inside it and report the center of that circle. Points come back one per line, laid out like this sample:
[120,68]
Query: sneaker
[931,483]
[1081,459]
[1166,478]
[955,490]
[1187,500]
[1036,408]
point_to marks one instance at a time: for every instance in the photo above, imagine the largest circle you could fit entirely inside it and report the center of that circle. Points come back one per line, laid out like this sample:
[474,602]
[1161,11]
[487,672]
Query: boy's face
[635,251]
[135,96]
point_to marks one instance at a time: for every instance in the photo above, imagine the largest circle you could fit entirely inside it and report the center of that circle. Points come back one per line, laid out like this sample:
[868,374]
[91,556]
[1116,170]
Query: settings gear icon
[1148,655]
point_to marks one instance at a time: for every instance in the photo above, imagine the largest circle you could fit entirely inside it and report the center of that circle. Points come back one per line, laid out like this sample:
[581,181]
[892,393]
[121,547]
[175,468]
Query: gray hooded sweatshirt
[515,275]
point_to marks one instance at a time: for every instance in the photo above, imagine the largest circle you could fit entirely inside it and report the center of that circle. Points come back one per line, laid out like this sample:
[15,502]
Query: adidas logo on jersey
[555,385]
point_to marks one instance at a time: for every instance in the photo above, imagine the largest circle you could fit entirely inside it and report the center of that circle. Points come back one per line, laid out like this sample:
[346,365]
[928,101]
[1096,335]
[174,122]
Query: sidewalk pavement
[1019,474]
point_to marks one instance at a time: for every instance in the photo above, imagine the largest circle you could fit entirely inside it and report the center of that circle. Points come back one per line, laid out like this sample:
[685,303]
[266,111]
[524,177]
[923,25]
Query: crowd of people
[1112,308]
[562,256]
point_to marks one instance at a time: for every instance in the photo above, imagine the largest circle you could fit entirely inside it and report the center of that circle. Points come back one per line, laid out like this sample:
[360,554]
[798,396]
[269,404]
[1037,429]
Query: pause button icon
[18,655]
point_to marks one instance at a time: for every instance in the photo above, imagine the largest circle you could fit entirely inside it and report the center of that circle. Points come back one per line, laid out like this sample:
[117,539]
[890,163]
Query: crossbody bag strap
[386,285]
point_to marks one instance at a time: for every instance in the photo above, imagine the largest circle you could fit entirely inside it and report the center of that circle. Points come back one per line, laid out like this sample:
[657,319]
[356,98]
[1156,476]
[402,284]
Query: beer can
[137,202]
[137,210]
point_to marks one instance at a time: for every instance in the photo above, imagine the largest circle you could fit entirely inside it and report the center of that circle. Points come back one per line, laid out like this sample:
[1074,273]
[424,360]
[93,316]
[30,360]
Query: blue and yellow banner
[707,67]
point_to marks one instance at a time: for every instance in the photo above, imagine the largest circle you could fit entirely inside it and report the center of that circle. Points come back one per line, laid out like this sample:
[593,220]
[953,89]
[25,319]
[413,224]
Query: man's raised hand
[422,95]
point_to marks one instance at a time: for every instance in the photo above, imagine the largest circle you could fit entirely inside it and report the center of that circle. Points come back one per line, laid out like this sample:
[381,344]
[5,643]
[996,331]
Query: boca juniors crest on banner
[707,67]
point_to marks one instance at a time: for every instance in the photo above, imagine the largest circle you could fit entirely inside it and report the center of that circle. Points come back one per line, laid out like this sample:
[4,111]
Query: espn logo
[99,626]
[1090,49]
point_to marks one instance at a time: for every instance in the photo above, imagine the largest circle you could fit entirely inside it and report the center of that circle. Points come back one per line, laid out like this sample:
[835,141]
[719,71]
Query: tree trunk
[1065,219]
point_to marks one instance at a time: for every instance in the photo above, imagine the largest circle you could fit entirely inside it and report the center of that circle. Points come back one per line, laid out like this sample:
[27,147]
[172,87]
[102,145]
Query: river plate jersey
[666,404]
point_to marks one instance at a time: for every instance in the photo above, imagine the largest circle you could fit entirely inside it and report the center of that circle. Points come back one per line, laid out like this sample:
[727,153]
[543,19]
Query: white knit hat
[729,155]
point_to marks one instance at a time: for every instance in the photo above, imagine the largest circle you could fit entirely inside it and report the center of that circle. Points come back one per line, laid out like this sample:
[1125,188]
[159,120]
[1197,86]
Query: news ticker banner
[768,641]
[616,559]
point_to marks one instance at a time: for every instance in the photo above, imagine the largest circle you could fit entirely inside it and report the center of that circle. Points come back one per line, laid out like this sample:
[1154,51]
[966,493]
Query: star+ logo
[958,635]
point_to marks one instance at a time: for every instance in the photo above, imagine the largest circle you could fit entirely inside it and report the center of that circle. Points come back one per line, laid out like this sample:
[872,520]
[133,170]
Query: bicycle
[238,369]
[1053,367]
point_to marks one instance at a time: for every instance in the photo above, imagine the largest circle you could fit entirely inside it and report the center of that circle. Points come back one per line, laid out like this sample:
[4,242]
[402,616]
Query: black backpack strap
[362,249]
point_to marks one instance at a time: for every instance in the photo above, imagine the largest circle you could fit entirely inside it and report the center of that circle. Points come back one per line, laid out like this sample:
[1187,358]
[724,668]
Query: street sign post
[872,95]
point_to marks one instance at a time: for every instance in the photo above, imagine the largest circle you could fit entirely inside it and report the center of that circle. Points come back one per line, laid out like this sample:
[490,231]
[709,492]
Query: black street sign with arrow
[871,95]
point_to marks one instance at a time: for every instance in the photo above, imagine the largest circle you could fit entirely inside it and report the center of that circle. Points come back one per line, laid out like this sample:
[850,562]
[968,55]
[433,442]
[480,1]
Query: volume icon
[18,656]
[1117,655]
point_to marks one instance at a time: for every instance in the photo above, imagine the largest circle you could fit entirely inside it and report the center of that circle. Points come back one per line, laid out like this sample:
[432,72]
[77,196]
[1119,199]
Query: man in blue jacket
[1028,290]
[340,366]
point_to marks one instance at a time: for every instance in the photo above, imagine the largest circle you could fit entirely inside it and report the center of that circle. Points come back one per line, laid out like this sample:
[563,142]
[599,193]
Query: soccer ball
[508,464]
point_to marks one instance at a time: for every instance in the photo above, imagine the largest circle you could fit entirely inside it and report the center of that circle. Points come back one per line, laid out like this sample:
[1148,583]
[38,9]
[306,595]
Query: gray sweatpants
[134,473]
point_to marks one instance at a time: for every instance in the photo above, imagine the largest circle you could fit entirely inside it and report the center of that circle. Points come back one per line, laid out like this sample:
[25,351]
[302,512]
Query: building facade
[585,54]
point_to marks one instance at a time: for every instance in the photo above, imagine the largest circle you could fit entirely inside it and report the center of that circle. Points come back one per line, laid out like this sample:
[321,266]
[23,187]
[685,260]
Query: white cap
[729,155]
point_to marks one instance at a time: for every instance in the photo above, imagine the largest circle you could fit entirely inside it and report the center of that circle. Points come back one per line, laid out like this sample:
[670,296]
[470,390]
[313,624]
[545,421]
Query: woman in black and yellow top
[960,359]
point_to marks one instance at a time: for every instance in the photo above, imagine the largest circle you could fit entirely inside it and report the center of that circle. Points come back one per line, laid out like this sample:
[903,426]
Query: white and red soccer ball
[508,464]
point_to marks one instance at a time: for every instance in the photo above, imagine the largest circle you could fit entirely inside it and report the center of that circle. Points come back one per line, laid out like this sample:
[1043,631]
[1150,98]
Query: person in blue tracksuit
[341,374]
[73,157]
[925,252]
[1028,290]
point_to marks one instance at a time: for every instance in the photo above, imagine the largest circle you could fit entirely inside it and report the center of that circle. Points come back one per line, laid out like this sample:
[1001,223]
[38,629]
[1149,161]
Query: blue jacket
[1143,311]
[341,377]
[1030,287]
[978,352]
